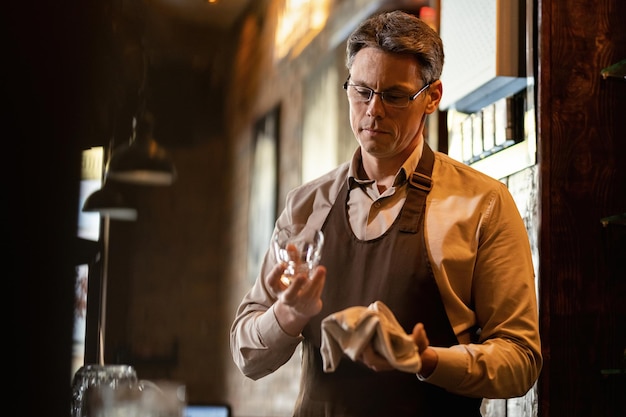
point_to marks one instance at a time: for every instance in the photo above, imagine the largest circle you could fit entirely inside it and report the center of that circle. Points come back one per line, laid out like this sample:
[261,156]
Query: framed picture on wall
[263,189]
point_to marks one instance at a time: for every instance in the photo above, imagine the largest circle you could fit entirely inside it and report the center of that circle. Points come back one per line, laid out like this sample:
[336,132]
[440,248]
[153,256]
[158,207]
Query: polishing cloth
[349,331]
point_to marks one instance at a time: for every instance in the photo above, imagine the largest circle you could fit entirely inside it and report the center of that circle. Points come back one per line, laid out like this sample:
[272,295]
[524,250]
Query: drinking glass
[90,376]
[163,398]
[299,248]
[108,401]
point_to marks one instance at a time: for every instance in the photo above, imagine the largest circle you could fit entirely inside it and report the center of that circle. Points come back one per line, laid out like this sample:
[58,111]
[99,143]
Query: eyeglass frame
[411,97]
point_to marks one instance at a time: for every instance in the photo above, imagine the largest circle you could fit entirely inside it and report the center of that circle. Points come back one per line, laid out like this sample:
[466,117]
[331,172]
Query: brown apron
[394,269]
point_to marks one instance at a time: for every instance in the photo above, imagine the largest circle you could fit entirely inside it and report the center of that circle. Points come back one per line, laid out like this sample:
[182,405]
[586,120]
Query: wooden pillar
[582,159]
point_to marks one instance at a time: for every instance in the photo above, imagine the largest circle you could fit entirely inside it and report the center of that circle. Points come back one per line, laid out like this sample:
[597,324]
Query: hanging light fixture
[143,161]
[109,201]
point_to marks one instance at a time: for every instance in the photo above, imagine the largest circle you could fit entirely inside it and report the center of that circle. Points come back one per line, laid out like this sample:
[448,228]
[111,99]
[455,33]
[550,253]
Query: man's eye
[394,97]
[365,92]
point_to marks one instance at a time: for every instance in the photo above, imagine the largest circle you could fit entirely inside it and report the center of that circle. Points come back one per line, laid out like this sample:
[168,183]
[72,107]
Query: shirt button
[377,204]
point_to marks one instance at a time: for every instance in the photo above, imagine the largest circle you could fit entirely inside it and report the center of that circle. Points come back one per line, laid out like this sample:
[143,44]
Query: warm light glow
[299,22]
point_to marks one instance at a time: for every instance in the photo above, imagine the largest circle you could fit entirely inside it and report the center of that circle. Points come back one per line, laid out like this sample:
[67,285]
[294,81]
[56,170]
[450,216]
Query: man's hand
[427,354]
[298,301]
[377,362]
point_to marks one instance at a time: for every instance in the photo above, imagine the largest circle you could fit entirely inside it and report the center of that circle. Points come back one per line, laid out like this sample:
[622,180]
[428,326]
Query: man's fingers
[273,279]
[420,338]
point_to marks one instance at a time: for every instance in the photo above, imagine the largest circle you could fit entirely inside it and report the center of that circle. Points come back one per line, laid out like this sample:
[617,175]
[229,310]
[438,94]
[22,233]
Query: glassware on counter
[90,376]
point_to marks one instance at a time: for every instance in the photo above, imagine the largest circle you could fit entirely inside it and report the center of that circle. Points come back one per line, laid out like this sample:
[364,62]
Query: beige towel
[350,330]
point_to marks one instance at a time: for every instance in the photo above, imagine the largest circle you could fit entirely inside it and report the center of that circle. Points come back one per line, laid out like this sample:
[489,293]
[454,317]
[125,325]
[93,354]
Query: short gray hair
[400,33]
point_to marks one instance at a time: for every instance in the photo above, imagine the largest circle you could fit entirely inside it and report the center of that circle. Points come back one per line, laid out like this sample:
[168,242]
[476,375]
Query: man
[440,244]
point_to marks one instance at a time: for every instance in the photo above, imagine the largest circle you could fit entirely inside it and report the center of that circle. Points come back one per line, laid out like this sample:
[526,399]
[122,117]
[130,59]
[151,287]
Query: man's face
[383,131]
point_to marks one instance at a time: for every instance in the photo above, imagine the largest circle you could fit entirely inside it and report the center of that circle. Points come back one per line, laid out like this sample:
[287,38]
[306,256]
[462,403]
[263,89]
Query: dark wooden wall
[49,55]
[582,158]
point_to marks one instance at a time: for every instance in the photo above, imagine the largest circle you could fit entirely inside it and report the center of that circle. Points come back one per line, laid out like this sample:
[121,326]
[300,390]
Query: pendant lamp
[143,161]
[110,202]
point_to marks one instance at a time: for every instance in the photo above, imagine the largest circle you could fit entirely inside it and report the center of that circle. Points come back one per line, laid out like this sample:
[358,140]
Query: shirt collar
[401,177]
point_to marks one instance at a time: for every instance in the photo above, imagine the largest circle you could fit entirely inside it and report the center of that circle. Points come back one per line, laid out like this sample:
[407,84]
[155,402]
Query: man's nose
[376,107]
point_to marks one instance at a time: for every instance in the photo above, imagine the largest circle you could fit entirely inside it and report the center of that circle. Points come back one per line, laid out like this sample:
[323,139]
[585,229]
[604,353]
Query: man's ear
[435,91]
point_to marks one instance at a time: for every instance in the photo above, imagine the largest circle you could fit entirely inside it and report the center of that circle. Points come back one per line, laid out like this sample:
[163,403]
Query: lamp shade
[110,202]
[143,161]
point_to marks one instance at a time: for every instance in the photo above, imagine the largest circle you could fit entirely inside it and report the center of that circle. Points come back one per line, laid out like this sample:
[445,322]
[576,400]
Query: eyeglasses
[362,94]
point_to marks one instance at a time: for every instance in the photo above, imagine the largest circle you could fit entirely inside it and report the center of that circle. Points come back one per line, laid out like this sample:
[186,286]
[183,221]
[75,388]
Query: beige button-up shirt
[480,255]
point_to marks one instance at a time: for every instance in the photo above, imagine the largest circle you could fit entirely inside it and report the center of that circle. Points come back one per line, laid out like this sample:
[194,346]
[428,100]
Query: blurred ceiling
[219,14]
[173,29]
[172,53]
